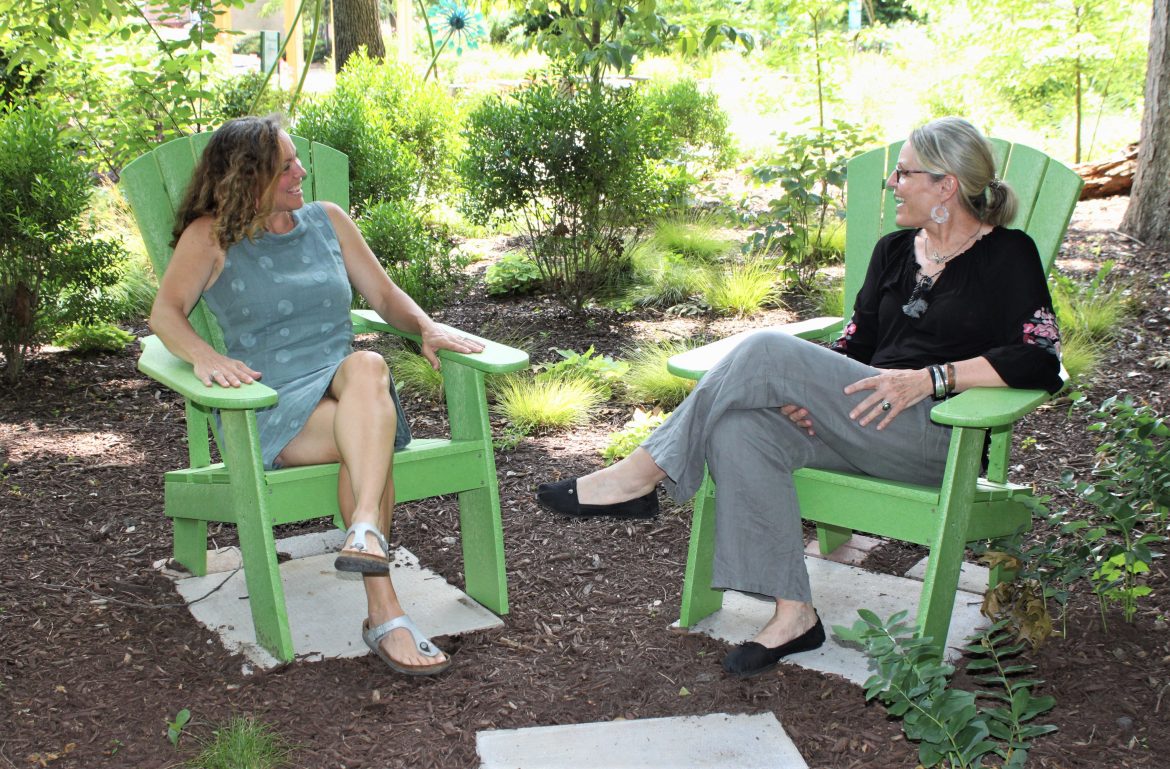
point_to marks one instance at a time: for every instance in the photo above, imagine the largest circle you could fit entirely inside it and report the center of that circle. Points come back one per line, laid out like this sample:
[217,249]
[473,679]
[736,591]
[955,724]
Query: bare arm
[193,268]
[387,299]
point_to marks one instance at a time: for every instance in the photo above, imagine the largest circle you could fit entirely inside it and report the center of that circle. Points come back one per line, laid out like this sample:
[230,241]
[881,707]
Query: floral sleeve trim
[1041,330]
[842,343]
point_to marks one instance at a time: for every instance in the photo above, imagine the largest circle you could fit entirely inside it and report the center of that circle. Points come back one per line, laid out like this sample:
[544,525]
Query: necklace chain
[934,256]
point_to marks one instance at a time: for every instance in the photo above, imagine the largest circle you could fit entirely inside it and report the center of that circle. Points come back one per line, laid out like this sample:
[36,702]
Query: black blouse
[990,301]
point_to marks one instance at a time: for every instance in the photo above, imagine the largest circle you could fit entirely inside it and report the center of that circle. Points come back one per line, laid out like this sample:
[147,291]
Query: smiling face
[915,191]
[287,194]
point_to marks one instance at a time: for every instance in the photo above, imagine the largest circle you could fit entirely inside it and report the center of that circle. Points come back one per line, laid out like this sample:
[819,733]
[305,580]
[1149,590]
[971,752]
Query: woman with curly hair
[953,300]
[277,273]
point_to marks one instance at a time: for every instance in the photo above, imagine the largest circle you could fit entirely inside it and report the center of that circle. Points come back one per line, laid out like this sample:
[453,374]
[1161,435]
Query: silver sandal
[357,558]
[374,636]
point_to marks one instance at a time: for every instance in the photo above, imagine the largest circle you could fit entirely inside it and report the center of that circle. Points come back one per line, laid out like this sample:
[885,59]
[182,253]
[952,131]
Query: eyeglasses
[900,172]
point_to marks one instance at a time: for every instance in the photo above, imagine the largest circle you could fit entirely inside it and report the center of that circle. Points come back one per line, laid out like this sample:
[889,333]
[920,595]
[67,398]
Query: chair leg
[829,538]
[698,599]
[946,553]
[485,578]
[254,525]
[190,547]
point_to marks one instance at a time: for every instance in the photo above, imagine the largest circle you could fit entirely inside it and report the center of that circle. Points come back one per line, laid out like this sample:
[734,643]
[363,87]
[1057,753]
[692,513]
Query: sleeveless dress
[283,304]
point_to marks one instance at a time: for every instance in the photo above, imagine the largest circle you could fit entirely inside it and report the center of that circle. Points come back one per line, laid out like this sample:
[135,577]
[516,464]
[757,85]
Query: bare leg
[354,425]
[630,478]
[790,620]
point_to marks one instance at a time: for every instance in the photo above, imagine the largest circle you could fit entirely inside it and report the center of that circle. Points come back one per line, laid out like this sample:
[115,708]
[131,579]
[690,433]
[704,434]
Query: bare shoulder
[200,236]
[336,214]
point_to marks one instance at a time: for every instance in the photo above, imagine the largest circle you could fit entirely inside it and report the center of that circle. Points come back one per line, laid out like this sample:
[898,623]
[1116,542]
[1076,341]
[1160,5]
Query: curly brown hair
[241,161]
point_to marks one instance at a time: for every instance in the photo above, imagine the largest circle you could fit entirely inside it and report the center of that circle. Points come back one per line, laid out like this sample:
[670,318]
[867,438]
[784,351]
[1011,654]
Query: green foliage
[661,278]
[132,296]
[812,34]
[243,744]
[245,94]
[401,134]
[1063,59]
[176,725]
[1090,315]
[648,380]
[949,725]
[690,238]
[830,298]
[513,274]
[593,36]
[413,373]
[571,164]
[800,226]
[743,289]
[99,337]
[53,267]
[1128,499]
[531,405]
[420,263]
[689,122]
[600,371]
[623,442]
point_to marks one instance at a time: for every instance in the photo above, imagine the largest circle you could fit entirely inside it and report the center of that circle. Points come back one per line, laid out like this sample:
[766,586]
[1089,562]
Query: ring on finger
[886,405]
[215,372]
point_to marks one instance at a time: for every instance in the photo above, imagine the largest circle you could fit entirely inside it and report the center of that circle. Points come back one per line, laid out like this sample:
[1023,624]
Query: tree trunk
[1147,217]
[356,24]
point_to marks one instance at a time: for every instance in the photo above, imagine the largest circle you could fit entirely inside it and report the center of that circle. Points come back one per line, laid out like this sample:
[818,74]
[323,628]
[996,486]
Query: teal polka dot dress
[283,304]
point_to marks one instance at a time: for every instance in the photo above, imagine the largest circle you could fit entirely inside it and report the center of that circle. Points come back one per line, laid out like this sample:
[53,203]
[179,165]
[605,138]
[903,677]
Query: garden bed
[97,652]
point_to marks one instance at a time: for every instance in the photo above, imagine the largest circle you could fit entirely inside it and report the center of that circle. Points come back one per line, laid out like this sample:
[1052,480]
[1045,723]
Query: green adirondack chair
[238,489]
[965,507]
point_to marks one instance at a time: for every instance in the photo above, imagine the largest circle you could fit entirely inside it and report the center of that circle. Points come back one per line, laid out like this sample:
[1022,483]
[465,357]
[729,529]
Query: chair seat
[905,511]
[437,466]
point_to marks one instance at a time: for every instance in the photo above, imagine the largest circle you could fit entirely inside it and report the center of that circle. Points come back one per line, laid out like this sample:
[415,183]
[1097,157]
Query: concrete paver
[838,592]
[326,607]
[717,741]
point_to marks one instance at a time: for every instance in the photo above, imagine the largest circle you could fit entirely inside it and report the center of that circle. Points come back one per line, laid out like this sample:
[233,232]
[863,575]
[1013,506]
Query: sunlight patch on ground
[24,441]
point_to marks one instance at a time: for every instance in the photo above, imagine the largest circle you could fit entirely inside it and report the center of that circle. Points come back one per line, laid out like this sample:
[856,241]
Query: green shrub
[743,290]
[400,133]
[514,273]
[688,122]
[99,337]
[600,371]
[799,226]
[623,442]
[235,95]
[662,279]
[648,380]
[53,268]
[530,405]
[422,265]
[243,743]
[570,163]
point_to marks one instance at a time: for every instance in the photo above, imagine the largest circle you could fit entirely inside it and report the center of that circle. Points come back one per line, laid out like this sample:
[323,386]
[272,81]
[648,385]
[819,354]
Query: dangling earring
[940,214]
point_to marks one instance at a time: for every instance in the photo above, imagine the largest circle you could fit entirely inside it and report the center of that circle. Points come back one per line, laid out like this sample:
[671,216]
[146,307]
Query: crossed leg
[354,424]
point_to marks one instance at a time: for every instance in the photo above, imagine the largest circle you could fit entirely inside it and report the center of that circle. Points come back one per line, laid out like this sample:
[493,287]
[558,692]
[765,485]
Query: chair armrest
[495,359]
[692,364]
[158,363]
[987,406]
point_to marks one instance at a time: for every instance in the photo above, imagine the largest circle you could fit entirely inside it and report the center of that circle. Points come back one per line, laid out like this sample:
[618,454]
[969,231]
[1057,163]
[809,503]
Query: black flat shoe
[561,497]
[750,658]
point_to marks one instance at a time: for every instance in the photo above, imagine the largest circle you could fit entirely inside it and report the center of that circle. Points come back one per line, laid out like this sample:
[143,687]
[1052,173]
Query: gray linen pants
[731,423]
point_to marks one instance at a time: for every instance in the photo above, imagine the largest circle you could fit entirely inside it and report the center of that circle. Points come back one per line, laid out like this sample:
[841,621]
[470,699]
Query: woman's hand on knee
[799,416]
[894,391]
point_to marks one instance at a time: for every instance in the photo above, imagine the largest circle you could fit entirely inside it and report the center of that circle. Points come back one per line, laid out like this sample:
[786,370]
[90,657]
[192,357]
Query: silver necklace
[934,256]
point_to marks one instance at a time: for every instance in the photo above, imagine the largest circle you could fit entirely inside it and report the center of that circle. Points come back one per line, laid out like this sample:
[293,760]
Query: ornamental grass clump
[744,289]
[531,406]
[648,380]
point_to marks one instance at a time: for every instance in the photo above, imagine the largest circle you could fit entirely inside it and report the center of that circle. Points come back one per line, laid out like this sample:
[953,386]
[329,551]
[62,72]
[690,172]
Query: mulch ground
[97,651]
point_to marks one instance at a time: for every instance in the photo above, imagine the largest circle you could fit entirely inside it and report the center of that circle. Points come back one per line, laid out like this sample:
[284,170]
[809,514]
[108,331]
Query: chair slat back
[1047,191]
[154,185]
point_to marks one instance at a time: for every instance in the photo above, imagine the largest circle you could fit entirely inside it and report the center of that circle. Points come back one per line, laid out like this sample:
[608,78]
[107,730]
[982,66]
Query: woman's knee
[365,368]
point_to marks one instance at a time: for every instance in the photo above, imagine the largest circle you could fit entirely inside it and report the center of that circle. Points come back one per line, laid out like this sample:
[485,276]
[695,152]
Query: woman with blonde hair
[953,300]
